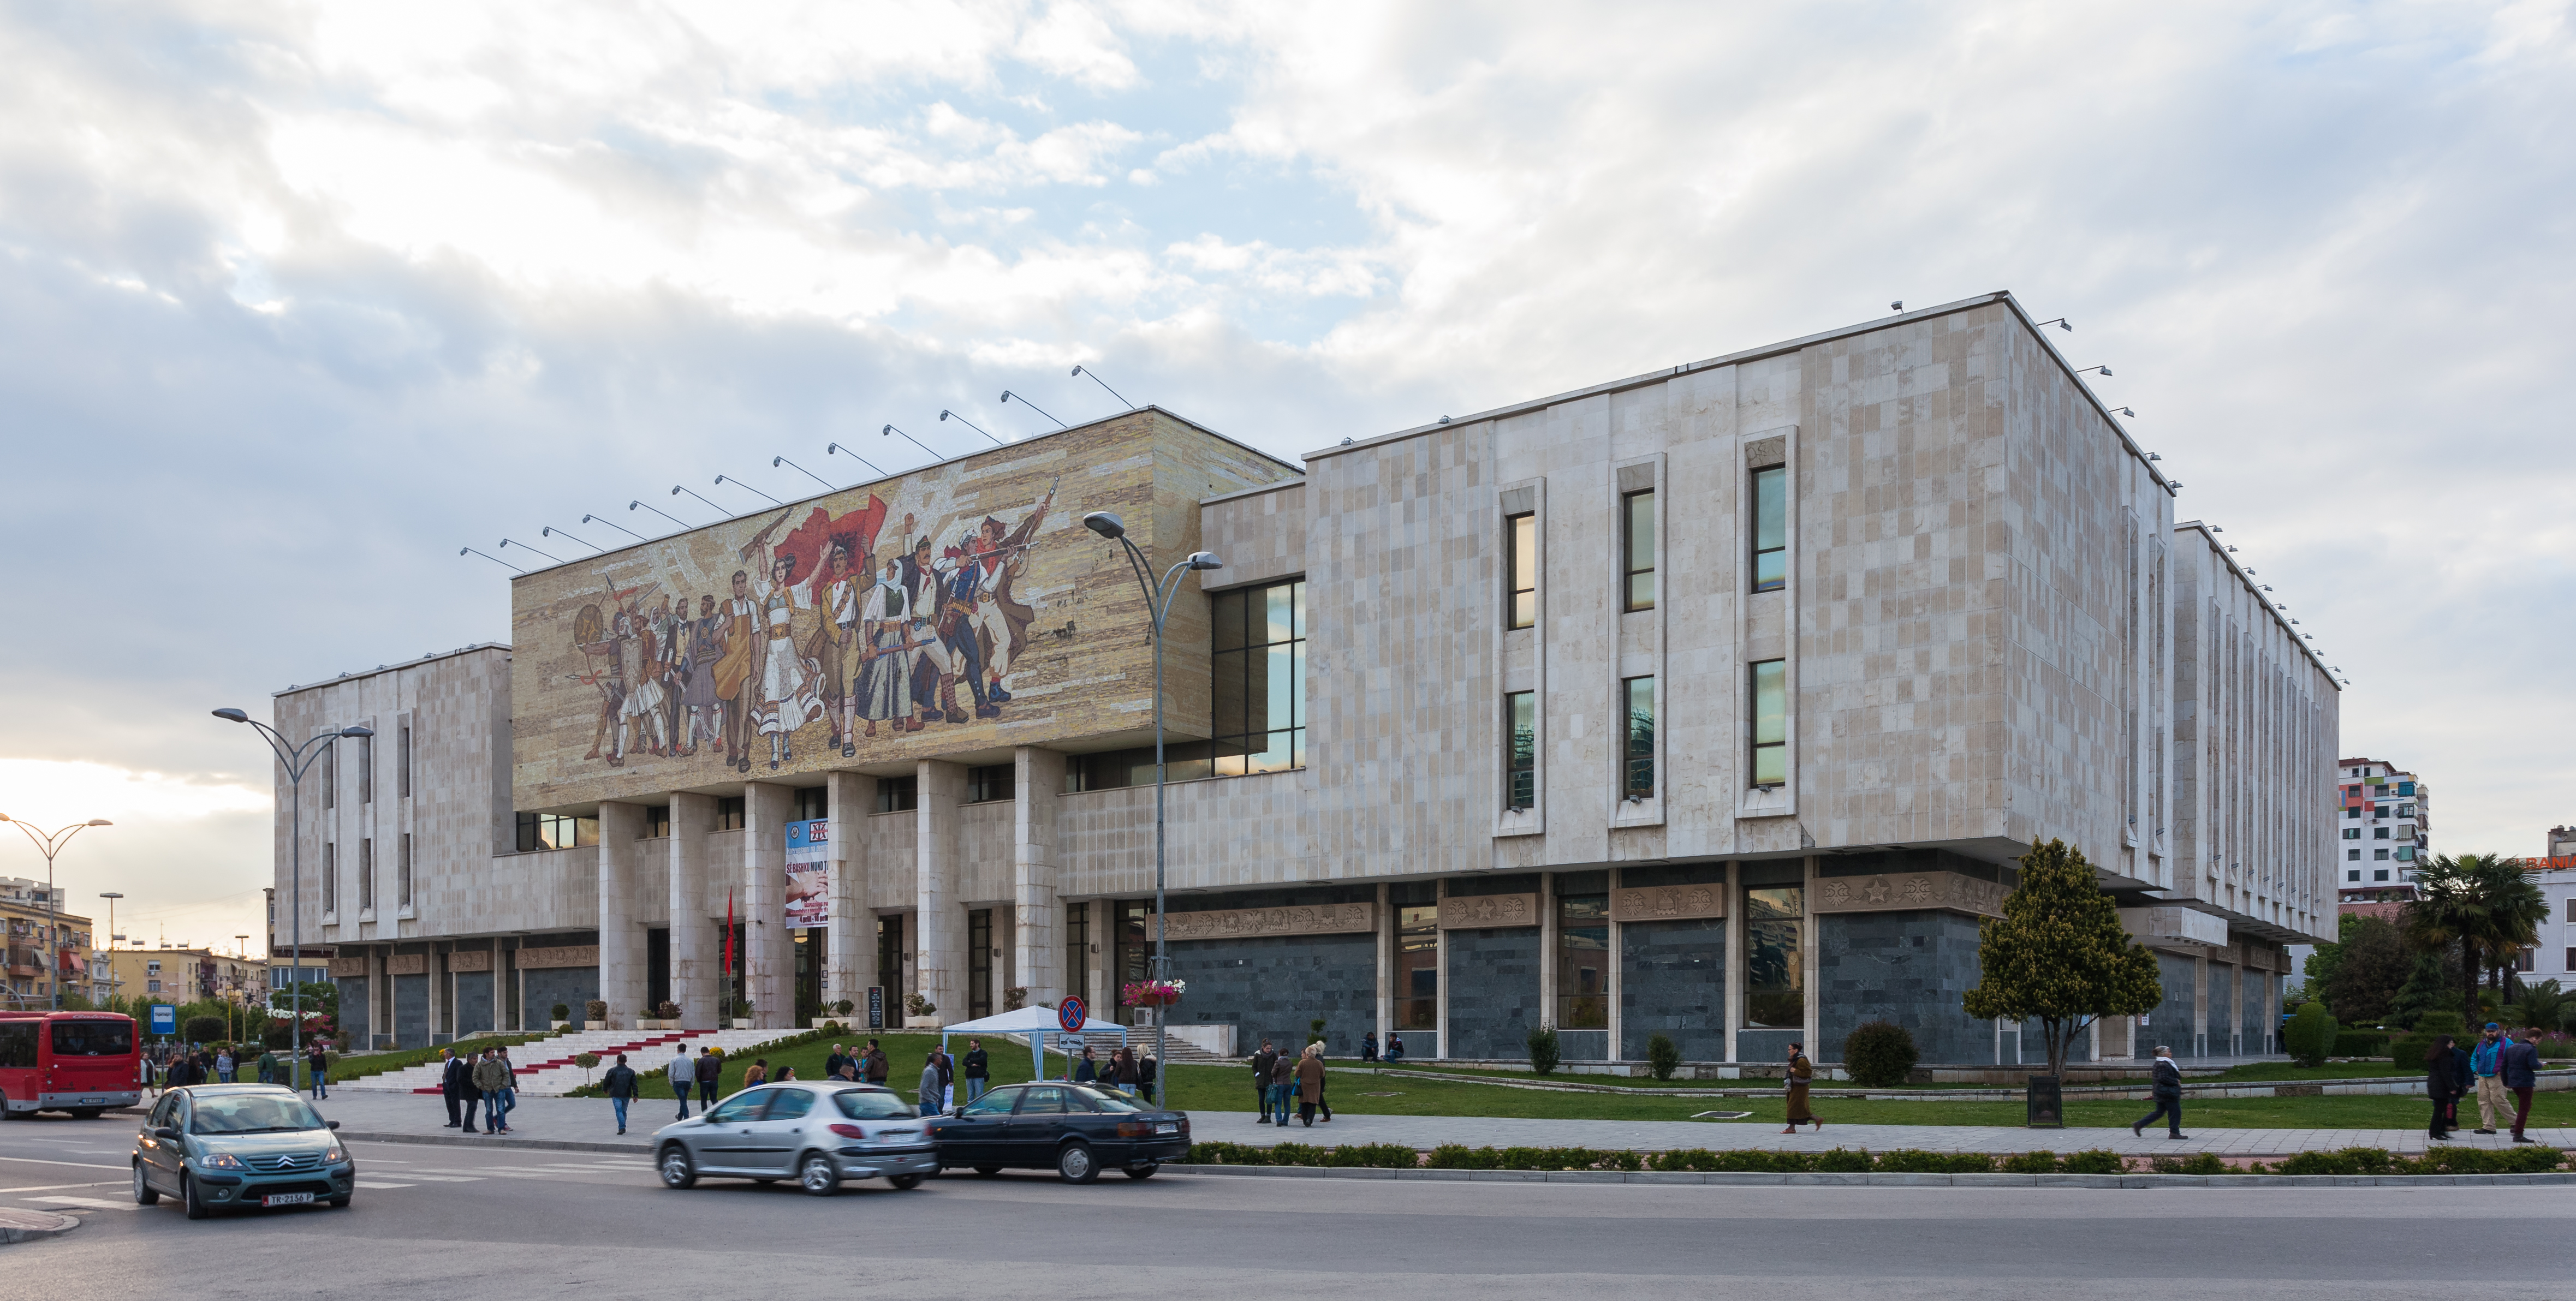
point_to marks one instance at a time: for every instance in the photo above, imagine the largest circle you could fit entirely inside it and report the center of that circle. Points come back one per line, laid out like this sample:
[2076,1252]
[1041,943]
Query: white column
[621,941]
[939,948]
[851,935]
[1547,946]
[768,971]
[694,947]
[1035,961]
[1733,975]
[1387,925]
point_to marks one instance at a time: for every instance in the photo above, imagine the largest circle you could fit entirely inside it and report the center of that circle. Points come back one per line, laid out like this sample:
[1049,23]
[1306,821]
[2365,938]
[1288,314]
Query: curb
[27,1226]
[531,1144]
[1860,1179]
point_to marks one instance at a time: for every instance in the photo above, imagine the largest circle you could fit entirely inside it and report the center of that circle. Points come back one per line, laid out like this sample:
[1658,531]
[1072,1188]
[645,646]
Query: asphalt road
[446,1222]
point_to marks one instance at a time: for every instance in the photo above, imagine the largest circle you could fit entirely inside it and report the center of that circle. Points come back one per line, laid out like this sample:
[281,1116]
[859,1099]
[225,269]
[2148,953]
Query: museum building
[1715,702]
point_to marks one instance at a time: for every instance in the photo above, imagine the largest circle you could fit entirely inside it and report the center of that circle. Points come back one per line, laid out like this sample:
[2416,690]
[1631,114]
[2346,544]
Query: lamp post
[299,760]
[1158,603]
[50,845]
[113,984]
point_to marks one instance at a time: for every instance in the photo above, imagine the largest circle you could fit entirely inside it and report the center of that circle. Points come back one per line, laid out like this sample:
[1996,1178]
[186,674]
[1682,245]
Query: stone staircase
[546,1067]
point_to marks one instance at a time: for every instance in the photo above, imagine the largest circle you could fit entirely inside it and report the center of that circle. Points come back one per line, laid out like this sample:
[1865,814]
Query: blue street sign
[1070,1014]
[165,1019]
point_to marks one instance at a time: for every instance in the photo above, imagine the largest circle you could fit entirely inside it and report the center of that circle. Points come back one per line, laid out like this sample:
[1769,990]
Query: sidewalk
[588,1121]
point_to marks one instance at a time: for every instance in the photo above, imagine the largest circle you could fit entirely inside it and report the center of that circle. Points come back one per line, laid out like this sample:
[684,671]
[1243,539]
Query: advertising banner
[809,878]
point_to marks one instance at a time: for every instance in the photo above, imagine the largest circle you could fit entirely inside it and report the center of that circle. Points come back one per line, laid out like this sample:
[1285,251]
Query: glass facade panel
[1520,750]
[1417,968]
[1077,950]
[1258,693]
[1775,996]
[1638,549]
[1637,775]
[1522,554]
[1770,722]
[1770,528]
[1583,962]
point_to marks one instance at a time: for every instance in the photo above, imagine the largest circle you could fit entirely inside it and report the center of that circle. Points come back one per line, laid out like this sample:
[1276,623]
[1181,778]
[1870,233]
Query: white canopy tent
[1038,1023]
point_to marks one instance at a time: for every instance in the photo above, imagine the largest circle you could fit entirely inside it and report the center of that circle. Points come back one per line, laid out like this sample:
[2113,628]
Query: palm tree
[2515,909]
[2485,903]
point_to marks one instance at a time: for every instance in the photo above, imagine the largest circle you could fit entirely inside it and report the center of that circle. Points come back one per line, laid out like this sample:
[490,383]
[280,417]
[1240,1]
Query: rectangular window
[898,794]
[979,963]
[331,775]
[2405,788]
[366,770]
[154,986]
[2353,875]
[402,874]
[1583,962]
[810,803]
[1257,680]
[733,812]
[2353,812]
[2379,833]
[1770,722]
[2352,833]
[657,822]
[330,878]
[991,782]
[1637,547]
[2379,874]
[1417,967]
[2353,854]
[2406,854]
[367,875]
[402,765]
[1520,750]
[890,965]
[543,831]
[1770,528]
[1637,776]
[1077,950]
[1774,958]
[2380,854]
[1520,545]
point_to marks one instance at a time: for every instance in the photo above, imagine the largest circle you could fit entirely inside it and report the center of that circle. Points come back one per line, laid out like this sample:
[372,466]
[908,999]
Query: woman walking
[2442,1085]
[1800,1072]
[1310,1085]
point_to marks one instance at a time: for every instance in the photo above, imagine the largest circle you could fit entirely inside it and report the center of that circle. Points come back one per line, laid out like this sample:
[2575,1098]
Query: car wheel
[1075,1165]
[818,1175]
[144,1193]
[676,1168]
[988,1169]
[1143,1171]
[188,1197]
[904,1181]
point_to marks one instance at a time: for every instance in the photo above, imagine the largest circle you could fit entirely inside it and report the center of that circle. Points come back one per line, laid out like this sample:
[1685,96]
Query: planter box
[742,1023]
[561,1025]
[930,1022]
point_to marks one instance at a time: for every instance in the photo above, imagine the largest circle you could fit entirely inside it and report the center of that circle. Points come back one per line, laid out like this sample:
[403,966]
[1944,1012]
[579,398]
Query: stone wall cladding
[411,1011]
[473,1002]
[2171,1022]
[540,989]
[1909,968]
[1272,987]
[1493,993]
[1672,981]
[353,1009]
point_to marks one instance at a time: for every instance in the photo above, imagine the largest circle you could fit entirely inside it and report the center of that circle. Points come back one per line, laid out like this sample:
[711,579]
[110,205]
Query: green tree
[2311,1035]
[2370,966]
[2483,904]
[2431,986]
[2059,955]
[2515,911]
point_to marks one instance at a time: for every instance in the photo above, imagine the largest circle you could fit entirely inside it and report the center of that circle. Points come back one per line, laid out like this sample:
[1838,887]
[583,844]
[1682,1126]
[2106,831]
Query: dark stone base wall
[411,1011]
[2171,1022]
[1910,968]
[1493,992]
[1272,987]
[473,1002]
[2222,1011]
[353,1010]
[541,989]
[1769,1045]
[1672,981]
[1581,1045]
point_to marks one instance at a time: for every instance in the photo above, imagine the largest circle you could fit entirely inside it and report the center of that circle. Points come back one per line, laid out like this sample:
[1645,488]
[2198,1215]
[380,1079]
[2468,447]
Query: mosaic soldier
[923,585]
[884,686]
[837,641]
[639,668]
[670,635]
[733,669]
[1000,557]
[704,645]
[787,699]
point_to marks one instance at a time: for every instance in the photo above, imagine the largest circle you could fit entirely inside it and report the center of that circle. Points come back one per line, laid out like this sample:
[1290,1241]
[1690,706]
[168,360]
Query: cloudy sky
[296,300]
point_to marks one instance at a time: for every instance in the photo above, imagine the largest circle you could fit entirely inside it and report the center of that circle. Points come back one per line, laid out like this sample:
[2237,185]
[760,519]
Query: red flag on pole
[728,937]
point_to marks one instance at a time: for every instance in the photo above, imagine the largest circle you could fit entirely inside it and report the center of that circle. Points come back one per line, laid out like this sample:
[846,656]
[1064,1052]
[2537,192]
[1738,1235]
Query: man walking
[320,1064]
[2521,1073]
[451,1084]
[979,1070]
[620,1083]
[710,1072]
[493,1079]
[1261,1063]
[268,1066]
[930,1085]
[878,1069]
[468,1092]
[2168,1095]
[681,1074]
[832,1065]
[2485,1062]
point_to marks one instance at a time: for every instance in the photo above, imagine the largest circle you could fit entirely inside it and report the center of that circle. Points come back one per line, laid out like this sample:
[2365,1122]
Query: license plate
[286,1199]
[1172,1128]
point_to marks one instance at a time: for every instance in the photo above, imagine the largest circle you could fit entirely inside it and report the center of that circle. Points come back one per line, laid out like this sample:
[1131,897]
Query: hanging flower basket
[1151,993]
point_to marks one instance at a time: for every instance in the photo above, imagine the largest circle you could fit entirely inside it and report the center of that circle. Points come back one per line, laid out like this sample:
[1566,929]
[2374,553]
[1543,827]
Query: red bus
[80,1062]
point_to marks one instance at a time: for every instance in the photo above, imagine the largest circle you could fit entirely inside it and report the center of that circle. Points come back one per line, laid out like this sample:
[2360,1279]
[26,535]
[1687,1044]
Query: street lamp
[298,760]
[50,845]
[1158,603]
[111,896]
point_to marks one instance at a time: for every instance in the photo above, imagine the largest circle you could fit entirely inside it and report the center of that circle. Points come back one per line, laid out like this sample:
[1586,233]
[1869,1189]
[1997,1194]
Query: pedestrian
[2442,1085]
[620,1083]
[320,1065]
[979,1070]
[1800,1072]
[224,1065]
[710,1071]
[468,1091]
[1122,1070]
[509,1087]
[494,1079]
[2521,1073]
[2167,1091]
[1261,1063]
[947,1078]
[1087,1070]
[681,1073]
[1394,1048]
[879,1070]
[451,1083]
[929,1093]
[144,1073]
[1310,1083]
[2485,1063]
[1145,1084]
[1283,1085]
[832,1065]
[268,1066]
[1368,1046]
[786,1074]
[757,1075]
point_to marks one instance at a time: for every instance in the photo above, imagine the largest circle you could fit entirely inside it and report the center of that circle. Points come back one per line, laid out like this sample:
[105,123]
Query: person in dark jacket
[469,1092]
[1800,1071]
[2442,1085]
[1261,1063]
[710,1071]
[1145,1066]
[1368,1046]
[620,1085]
[1310,1084]
[1087,1069]
[451,1084]
[979,1070]
[832,1065]
[2167,1091]
[877,1068]
[947,1077]
[1394,1048]
[2521,1074]
[320,1065]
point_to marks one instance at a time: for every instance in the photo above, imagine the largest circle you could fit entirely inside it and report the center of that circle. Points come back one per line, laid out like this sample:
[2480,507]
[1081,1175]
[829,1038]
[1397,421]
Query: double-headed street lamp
[1158,603]
[50,845]
[298,759]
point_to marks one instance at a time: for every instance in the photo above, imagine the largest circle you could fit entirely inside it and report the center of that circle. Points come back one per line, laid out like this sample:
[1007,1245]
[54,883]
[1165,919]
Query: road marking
[47,1188]
[372,1185]
[439,1179]
[85,1165]
[88,1203]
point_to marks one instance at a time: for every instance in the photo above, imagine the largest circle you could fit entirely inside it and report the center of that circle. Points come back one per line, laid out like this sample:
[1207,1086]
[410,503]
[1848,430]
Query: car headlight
[221,1161]
[334,1157]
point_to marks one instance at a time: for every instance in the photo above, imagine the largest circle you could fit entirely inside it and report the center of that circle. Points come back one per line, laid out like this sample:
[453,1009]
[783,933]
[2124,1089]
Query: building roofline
[1254,491]
[2255,590]
[432,658]
[794,503]
[2003,296]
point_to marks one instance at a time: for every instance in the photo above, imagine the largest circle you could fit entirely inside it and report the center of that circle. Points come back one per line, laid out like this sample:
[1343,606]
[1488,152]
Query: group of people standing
[2499,1068]
[1125,1071]
[1278,1077]
[481,1085]
[178,1068]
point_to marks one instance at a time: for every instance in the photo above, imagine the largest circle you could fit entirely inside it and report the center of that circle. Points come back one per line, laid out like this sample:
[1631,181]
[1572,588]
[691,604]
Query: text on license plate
[1168,1127]
[286,1199]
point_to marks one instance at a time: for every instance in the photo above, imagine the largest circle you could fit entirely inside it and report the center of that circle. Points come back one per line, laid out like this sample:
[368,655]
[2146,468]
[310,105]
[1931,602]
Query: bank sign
[809,877]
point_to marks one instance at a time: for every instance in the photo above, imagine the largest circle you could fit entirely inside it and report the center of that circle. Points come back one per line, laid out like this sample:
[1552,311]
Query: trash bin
[2047,1103]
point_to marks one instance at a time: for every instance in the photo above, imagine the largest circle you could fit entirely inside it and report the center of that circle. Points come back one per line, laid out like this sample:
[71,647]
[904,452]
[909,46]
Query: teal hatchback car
[219,1145]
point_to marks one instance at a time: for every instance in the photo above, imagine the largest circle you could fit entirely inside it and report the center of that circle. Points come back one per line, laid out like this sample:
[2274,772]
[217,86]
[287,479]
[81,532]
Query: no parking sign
[1070,1014]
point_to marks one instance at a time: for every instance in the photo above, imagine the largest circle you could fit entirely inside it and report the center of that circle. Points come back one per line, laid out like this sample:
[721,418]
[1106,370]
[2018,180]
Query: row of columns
[939,942]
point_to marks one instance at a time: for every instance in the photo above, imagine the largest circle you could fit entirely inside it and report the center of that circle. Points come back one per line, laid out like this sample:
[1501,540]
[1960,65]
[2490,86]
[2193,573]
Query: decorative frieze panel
[1232,923]
[407,964]
[1480,910]
[570,955]
[1909,892]
[1668,903]
[348,966]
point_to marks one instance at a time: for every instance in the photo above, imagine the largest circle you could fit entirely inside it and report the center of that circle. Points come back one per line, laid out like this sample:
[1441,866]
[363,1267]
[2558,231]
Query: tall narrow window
[1520,538]
[1520,750]
[1770,528]
[979,963]
[1077,950]
[1637,770]
[810,803]
[890,966]
[331,775]
[402,874]
[366,770]
[898,794]
[1770,722]
[1583,962]
[1775,961]
[402,765]
[1637,547]
[1257,670]
[732,811]
[330,877]
[367,875]
[1417,967]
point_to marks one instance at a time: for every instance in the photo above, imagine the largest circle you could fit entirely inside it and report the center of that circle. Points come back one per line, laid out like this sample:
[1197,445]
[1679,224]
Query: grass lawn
[2260,1071]
[905,1054]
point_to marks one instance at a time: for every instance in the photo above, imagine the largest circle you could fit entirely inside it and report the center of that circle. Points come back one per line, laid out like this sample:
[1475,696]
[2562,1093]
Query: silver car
[817,1134]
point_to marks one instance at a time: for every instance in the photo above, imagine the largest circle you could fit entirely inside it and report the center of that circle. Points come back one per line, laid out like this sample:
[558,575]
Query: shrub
[563,1011]
[1376,1156]
[2410,1050]
[1543,1049]
[843,1007]
[2310,1036]
[2030,1163]
[594,1012]
[203,1029]
[2349,1161]
[2360,1043]
[1840,1159]
[1917,1161]
[1228,1154]
[1013,999]
[2199,1163]
[915,1005]
[667,1011]
[1663,1056]
[1315,1031]
[1459,1156]
[1300,1154]
[1879,1054]
[2095,1161]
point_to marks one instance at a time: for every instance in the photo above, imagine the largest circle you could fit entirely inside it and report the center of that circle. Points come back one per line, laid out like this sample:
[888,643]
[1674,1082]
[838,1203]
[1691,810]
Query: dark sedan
[1076,1130]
